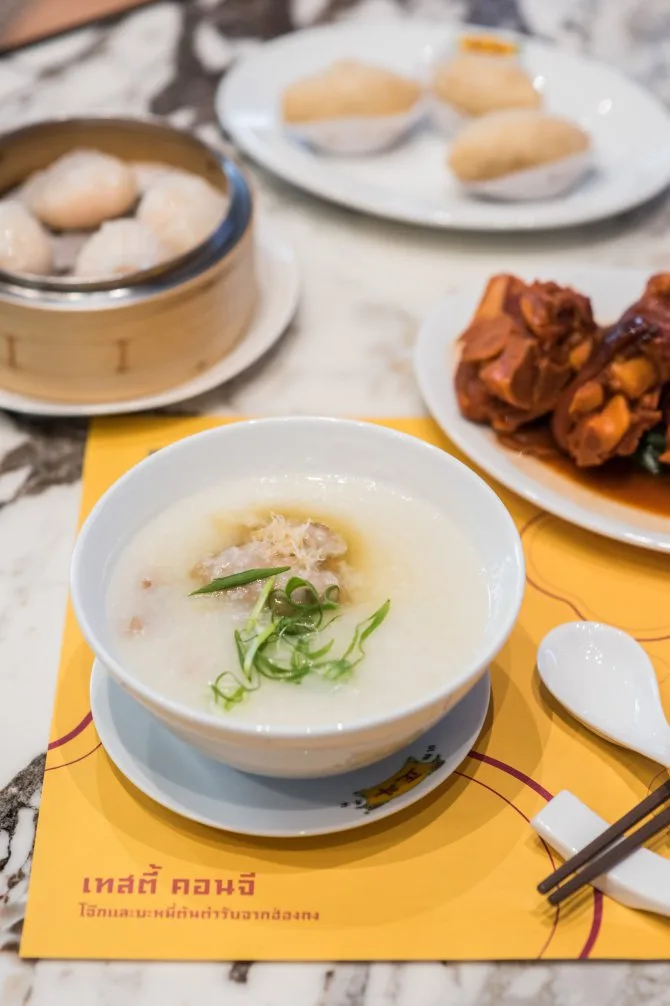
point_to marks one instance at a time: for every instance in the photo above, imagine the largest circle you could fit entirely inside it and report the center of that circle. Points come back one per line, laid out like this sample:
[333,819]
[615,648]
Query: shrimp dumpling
[182,210]
[24,244]
[80,190]
[31,186]
[148,173]
[119,248]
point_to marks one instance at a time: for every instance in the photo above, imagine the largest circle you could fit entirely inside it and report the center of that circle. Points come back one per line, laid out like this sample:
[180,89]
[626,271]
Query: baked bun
[512,141]
[349,89]
[475,85]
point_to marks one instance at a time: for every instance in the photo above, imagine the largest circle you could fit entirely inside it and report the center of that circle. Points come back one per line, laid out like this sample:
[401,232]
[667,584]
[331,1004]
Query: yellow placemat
[451,878]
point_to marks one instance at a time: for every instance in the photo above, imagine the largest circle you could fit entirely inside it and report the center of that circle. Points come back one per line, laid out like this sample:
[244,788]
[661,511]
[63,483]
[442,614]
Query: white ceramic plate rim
[147,783]
[434,373]
[457,215]
[279,283]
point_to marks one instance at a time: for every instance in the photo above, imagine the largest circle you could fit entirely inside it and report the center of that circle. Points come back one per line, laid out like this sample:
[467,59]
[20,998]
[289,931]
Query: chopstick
[608,860]
[605,851]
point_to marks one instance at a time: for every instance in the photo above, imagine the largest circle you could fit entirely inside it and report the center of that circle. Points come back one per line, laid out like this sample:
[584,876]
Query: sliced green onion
[282,638]
[238,580]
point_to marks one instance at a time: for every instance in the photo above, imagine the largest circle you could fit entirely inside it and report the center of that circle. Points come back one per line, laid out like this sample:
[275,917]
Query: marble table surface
[367,284]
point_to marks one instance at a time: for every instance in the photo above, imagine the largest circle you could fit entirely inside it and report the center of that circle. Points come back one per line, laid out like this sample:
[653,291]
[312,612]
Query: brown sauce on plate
[619,480]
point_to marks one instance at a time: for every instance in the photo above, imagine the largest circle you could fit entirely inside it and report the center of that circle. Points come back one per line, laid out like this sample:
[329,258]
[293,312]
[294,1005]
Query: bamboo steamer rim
[70,293]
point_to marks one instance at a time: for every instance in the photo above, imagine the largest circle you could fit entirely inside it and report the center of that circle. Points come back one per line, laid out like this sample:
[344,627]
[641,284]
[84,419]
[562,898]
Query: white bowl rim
[286,731]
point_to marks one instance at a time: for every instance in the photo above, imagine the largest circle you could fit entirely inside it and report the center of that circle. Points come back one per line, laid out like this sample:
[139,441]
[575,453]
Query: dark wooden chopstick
[608,837]
[612,857]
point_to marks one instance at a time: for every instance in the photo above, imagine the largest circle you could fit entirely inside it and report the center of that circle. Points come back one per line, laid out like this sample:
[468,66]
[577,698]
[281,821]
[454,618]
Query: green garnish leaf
[374,621]
[355,653]
[647,459]
[283,637]
[648,454]
[656,438]
[238,580]
[232,694]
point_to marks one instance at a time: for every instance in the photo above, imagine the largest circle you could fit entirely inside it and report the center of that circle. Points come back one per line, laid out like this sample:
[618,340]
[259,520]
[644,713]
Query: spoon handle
[657,747]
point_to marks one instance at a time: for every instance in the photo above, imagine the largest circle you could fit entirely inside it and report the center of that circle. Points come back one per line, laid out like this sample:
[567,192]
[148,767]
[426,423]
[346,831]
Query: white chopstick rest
[642,881]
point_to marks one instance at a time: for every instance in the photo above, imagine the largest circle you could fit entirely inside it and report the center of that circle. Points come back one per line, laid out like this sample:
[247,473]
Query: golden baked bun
[476,85]
[507,142]
[348,89]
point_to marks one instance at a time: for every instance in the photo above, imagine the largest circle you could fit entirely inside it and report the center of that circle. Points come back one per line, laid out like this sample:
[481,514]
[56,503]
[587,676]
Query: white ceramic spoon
[605,679]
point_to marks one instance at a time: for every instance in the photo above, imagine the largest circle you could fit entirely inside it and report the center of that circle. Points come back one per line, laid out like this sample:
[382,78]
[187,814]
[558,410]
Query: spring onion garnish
[648,454]
[239,580]
[283,637]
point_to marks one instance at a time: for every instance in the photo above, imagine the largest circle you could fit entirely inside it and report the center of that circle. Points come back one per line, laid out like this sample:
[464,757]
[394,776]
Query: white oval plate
[174,775]
[611,291]
[411,182]
[279,284]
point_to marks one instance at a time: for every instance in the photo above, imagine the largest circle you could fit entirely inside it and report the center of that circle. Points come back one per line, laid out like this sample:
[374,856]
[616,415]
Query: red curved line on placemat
[564,600]
[557,597]
[582,617]
[598,902]
[66,738]
[52,768]
[655,779]
[546,848]
[596,923]
[533,520]
[510,770]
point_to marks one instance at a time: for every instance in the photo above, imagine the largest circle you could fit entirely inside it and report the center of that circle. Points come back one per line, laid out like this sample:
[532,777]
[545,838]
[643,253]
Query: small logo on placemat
[413,772]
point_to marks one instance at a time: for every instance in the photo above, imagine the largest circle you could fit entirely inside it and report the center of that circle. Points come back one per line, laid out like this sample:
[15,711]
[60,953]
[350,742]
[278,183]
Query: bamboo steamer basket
[67,340]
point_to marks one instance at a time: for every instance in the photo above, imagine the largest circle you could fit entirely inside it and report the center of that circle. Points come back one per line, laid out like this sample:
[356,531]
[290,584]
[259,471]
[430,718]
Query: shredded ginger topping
[305,546]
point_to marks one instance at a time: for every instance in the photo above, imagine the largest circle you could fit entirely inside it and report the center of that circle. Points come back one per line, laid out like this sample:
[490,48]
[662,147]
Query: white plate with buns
[366,115]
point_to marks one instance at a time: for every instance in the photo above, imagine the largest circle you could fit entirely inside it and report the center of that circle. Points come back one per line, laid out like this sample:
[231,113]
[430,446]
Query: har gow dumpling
[119,248]
[24,244]
[182,211]
[80,190]
[520,154]
[28,191]
[147,173]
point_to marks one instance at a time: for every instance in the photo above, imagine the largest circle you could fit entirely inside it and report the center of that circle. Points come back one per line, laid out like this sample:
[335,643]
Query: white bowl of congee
[298,597]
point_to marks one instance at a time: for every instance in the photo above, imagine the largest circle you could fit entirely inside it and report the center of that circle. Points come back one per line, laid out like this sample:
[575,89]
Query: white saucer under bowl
[174,775]
[279,286]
